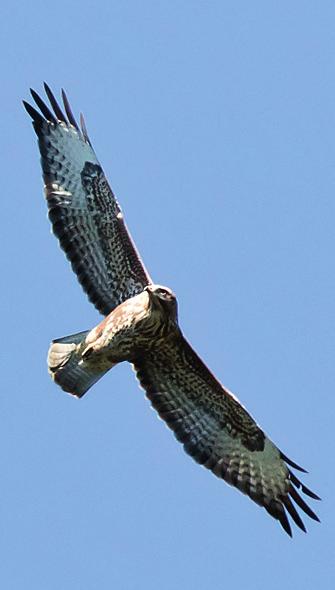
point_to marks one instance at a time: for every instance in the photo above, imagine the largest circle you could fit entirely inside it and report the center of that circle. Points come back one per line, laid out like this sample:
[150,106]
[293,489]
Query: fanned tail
[67,368]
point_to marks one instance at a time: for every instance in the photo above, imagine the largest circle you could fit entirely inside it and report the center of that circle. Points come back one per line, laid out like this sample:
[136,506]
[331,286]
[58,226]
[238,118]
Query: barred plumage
[142,326]
[85,215]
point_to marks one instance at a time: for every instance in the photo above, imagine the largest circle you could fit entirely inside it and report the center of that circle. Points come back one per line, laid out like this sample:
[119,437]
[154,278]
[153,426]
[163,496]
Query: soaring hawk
[141,325]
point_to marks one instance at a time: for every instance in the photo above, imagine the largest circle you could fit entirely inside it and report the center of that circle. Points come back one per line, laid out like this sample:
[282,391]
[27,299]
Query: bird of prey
[141,325]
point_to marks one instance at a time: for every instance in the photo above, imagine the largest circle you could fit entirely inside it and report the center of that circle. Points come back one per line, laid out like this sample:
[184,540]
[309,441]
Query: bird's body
[141,326]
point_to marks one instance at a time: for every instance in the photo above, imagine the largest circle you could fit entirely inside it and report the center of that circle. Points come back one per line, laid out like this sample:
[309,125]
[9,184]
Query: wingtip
[298,484]
[286,526]
[47,89]
[302,504]
[292,463]
[293,513]
[33,113]
[49,116]
[56,108]
[68,111]
[26,105]
[34,94]
[84,129]
[309,493]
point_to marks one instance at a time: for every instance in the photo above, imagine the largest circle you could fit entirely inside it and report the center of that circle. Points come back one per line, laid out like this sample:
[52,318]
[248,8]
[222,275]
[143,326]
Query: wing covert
[83,210]
[218,432]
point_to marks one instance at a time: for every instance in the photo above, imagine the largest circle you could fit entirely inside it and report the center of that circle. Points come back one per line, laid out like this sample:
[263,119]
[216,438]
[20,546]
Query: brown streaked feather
[83,210]
[214,428]
[217,431]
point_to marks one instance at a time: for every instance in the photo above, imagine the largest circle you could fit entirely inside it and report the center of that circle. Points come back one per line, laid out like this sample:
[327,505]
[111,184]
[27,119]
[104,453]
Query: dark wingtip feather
[309,493]
[276,509]
[83,128]
[34,114]
[292,464]
[57,110]
[68,111]
[292,511]
[285,523]
[302,504]
[43,107]
[302,487]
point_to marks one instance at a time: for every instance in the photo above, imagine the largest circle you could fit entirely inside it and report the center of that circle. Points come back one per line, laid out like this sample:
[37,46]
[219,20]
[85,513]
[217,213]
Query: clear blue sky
[215,123]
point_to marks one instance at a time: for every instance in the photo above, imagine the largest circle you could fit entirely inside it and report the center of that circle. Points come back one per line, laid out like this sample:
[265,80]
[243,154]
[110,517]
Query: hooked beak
[152,298]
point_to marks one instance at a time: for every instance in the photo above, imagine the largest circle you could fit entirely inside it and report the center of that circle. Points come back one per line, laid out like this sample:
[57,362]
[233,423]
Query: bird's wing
[218,432]
[84,213]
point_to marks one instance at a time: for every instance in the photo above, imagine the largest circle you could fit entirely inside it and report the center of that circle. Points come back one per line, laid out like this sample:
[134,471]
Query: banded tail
[68,369]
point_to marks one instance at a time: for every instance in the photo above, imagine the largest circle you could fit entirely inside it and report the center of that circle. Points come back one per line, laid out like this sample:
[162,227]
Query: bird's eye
[163,293]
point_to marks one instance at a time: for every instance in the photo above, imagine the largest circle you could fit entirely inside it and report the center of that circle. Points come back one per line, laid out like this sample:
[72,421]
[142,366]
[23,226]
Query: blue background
[215,124]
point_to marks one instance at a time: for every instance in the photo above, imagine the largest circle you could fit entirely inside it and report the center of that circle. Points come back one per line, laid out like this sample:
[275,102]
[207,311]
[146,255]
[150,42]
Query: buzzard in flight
[141,325]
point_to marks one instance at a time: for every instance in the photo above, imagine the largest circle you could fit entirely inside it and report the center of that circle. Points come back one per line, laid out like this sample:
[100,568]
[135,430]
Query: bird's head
[163,300]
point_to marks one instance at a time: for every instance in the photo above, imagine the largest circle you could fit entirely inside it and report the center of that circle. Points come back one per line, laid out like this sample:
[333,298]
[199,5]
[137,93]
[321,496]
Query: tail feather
[67,368]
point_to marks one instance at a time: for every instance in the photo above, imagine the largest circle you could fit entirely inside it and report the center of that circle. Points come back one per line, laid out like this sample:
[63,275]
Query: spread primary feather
[141,325]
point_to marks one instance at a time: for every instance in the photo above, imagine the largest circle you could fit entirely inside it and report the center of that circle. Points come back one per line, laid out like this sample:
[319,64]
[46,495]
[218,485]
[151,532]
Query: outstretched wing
[84,213]
[218,432]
